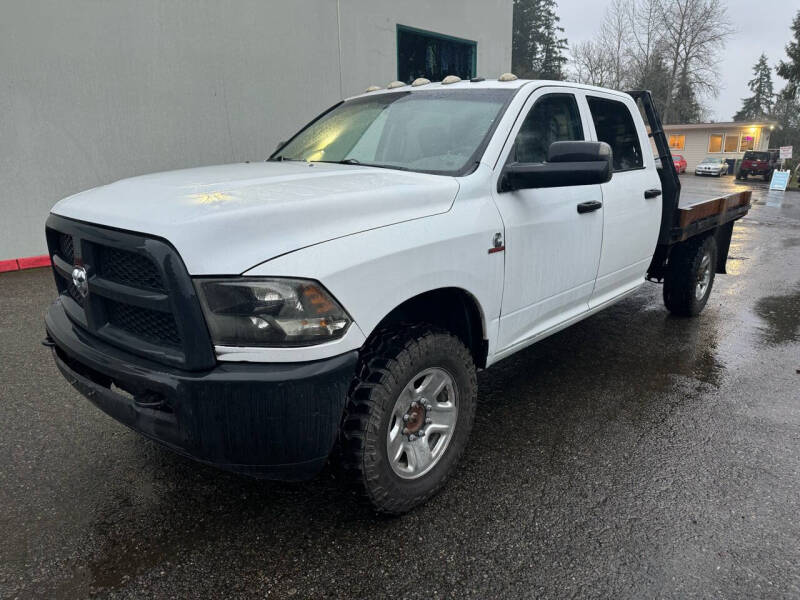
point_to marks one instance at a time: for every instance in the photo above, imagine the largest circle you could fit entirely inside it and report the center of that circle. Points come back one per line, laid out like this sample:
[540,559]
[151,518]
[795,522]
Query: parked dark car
[758,163]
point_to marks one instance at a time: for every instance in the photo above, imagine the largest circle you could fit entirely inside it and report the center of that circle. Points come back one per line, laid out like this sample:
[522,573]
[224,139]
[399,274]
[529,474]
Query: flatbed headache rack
[694,215]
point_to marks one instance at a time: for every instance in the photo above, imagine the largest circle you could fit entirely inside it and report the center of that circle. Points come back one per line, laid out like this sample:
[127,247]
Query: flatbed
[699,212]
[689,214]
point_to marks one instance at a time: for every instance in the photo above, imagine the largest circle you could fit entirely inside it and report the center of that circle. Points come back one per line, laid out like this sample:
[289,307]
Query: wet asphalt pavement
[633,455]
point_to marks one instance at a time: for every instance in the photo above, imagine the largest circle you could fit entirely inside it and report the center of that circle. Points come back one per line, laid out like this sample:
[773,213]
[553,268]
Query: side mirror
[568,163]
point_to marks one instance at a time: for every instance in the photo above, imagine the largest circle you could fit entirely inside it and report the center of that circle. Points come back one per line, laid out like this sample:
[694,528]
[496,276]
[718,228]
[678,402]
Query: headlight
[270,312]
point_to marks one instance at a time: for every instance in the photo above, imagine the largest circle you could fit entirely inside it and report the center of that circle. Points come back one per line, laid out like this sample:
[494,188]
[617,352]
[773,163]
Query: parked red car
[758,163]
[679,162]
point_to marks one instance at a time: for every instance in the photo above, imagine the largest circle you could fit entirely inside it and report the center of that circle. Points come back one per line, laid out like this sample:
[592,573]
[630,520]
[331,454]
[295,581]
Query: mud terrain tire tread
[386,365]
[681,277]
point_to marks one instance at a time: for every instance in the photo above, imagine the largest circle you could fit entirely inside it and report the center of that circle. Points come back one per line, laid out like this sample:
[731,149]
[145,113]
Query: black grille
[66,248]
[129,268]
[156,315]
[151,325]
[75,294]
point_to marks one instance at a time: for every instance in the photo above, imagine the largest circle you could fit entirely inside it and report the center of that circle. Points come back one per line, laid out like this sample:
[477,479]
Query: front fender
[372,272]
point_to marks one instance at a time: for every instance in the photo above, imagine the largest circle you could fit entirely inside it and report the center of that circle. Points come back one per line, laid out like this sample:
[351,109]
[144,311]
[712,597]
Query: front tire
[690,276]
[408,417]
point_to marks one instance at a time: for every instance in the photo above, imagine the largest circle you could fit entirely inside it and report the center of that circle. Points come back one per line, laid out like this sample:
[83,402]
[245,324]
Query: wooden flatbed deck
[702,207]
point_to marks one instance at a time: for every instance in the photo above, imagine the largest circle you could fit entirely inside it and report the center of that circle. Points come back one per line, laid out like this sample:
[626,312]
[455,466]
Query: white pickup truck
[343,293]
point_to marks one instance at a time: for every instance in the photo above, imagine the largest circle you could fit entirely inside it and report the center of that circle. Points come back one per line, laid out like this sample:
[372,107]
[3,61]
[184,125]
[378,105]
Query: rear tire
[384,457]
[690,276]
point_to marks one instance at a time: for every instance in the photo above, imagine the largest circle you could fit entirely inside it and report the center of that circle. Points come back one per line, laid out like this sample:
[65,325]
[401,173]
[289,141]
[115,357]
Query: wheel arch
[452,308]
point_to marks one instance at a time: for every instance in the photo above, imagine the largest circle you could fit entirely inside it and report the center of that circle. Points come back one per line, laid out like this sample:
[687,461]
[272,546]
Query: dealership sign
[786,152]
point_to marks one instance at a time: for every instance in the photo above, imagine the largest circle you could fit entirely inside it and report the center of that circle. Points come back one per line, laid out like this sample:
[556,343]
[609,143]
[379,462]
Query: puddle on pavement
[781,315]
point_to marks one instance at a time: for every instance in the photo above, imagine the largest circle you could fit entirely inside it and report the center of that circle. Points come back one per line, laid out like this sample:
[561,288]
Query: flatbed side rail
[670,183]
[697,218]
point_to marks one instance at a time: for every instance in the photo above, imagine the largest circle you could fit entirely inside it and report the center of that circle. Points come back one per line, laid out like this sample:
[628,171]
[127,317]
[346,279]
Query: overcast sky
[761,27]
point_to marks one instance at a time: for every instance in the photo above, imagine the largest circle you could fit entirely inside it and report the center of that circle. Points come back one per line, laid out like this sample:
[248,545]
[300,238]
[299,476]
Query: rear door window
[614,125]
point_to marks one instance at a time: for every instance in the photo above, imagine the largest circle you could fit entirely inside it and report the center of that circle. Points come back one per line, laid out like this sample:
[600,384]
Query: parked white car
[712,165]
[346,290]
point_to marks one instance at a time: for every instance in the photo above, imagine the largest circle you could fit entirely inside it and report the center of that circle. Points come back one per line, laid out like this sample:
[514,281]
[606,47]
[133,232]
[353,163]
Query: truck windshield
[437,131]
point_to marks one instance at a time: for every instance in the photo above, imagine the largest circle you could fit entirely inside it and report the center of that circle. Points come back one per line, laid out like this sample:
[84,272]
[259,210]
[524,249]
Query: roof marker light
[507,77]
[451,79]
[420,81]
[372,88]
[395,84]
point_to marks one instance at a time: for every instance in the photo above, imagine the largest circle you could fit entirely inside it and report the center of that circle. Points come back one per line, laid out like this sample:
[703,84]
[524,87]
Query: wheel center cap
[414,418]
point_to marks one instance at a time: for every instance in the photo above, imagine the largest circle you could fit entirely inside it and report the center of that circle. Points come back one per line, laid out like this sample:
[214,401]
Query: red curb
[8,265]
[28,262]
[32,262]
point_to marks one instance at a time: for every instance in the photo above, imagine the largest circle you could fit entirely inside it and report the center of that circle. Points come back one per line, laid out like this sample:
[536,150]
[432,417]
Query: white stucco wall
[93,91]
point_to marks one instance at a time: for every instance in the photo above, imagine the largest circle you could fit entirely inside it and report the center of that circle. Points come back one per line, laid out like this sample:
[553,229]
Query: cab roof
[480,83]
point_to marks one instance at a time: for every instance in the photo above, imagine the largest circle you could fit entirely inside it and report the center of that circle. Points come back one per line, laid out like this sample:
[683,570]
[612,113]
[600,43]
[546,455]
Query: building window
[432,55]
[748,143]
[715,142]
[677,142]
[731,142]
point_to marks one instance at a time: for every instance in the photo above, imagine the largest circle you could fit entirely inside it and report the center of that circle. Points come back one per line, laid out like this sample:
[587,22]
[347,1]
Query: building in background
[95,91]
[724,140]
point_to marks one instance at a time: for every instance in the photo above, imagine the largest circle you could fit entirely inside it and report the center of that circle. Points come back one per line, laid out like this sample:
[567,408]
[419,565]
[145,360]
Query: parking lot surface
[633,455]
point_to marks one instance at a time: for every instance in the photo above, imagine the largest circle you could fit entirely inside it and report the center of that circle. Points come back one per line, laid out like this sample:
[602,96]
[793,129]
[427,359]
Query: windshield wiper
[284,159]
[355,161]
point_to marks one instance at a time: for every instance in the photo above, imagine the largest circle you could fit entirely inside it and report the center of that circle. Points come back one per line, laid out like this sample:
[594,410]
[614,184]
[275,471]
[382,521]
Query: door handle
[585,207]
[652,194]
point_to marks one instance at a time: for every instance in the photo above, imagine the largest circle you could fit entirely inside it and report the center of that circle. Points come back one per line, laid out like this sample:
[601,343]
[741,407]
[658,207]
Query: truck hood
[226,219]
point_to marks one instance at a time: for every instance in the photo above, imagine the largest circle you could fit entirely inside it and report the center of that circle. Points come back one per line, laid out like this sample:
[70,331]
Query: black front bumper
[276,421]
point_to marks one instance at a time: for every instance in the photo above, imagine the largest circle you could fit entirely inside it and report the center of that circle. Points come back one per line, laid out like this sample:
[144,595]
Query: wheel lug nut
[421,433]
[412,437]
[406,418]
[428,421]
[405,431]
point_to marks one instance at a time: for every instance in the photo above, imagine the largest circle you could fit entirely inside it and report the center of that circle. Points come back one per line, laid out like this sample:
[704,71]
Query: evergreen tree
[790,69]
[685,107]
[537,46]
[760,104]
[787,106]
[653,76]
